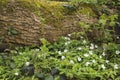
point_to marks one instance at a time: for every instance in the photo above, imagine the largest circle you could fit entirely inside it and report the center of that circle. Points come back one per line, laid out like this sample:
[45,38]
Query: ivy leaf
[54,71]
[62,77]
[14,32]
[12,65]
[40,76]
[49,77]
[102,21]
[112,23]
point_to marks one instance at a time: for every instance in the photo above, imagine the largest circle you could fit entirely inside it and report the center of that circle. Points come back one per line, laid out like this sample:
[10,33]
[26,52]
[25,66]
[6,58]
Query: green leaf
[41,75]
[44,49]
[102,21]
[12,65]
[49,77]
[44,41]
[14,32]
[112,23]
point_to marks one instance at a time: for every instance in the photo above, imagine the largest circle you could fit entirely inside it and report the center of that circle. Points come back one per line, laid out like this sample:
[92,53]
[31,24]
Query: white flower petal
[59,52]
[96,46]
[84,42]
[65,50]
[107,61]
[79,59]
[16,73]
[91,47]
[103,66]
[69,35]
[91,52]
[100,56]
[117,37]
[71,61]
[27,63]
[63,57]
[20,53]
[81,37]
[37,49]
[93,61]
[103,54]
[87,63]
[116,66]
[86,55]
[117,52]
[79,48]
[66,38]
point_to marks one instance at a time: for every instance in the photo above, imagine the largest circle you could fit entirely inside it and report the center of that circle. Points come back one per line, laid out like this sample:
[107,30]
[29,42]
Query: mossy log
[24,23]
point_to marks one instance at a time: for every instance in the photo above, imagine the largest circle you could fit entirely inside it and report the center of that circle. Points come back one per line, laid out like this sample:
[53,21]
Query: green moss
[86,11]
[52,12]
[29,4]
[3,3]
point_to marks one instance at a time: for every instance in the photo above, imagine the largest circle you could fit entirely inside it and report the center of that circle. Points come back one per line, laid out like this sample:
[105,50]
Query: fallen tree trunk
[19,25]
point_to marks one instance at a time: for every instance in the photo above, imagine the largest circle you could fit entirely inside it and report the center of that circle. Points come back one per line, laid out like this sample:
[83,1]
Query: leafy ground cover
[74,57]
[67,59]
[77,56]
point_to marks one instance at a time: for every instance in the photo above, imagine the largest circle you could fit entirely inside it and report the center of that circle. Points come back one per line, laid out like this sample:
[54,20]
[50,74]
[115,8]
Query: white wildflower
[63,57]
[20,53]
[91,46]
[27,63]
[65,50]
[39,56]
[84,42]
[103,54]
[79,48]
[100,56]
[107,61]
[71,61]
[117,52]
[66,38]
[59,52]
[81,37]
[116,66]
[103,66]
[93,61]
[66,43]
[69,35]
[96,46]
[79,59]
[117,37]
[86,55]
[16,74]
[37,49]
[91,52]
[87,63]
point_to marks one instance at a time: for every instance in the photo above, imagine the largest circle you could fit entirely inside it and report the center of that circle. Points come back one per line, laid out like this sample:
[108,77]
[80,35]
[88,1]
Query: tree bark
[21,26]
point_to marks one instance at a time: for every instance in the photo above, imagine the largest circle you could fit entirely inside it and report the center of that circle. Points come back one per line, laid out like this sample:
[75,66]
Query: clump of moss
[3,3]
[52,12]
[49,11]
[29,4]
[86,11]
